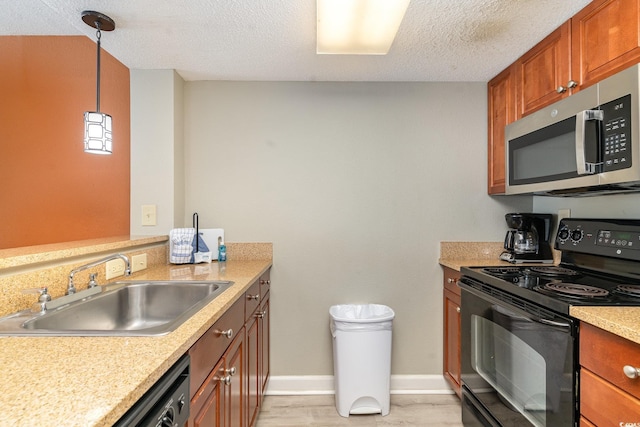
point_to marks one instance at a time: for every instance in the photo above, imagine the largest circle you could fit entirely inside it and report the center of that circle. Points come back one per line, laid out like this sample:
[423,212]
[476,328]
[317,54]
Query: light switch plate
[138,262]
[149,215]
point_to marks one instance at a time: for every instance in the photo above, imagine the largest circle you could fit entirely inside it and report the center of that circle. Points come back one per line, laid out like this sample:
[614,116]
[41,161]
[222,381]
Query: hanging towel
[202,254]
[180,245]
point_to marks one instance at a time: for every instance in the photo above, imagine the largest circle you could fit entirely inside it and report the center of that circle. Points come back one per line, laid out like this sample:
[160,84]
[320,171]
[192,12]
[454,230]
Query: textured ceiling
[438,40]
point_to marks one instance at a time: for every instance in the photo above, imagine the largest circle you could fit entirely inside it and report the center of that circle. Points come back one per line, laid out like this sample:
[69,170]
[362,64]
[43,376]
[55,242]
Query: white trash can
[361,357]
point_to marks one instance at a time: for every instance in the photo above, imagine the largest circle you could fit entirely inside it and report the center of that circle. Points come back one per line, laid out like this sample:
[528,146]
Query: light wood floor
[320,411]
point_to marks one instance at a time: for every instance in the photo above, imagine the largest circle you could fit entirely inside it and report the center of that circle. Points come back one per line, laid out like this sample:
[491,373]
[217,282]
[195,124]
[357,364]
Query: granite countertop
[455,255]
[93,381]
[622,321]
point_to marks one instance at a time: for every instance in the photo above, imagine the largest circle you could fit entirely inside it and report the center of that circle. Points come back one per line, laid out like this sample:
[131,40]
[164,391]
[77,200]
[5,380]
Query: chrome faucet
[71,289]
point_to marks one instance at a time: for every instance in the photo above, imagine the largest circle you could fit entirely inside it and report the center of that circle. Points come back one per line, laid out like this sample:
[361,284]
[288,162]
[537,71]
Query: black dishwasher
[166,404]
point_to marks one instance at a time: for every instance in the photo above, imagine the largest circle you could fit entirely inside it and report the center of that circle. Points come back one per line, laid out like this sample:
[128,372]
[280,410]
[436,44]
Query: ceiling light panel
[358,27]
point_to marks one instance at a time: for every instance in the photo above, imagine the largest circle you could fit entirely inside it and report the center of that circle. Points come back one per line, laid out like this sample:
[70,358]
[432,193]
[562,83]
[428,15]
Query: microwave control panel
[616,131]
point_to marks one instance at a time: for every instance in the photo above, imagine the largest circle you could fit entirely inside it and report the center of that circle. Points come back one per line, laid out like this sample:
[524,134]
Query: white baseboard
[323,384]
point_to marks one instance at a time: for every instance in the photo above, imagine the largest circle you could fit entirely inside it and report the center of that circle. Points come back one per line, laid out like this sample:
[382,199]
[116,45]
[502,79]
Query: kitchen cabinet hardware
[631,371]
[253,297]
[570,85]
[260,314]
[226,380]
[230,371]
[228,333]
[265,282]
[452,280]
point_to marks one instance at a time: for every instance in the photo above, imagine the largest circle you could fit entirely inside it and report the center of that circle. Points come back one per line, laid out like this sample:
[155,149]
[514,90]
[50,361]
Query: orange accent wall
[50,190]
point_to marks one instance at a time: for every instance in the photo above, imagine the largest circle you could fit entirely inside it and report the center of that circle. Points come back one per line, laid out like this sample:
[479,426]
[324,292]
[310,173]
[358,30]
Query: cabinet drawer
[605,354]
[451,278]
[252,297]
[210,347]
[604,404]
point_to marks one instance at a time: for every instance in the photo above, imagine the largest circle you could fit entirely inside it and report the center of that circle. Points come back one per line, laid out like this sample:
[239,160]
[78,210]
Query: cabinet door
[253,372]
[451,357]
[605,39]
[236,385]
[264,321]
[501,110]
[543,73]
[208,405]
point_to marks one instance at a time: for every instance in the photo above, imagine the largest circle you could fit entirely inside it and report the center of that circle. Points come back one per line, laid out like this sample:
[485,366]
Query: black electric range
[600,266]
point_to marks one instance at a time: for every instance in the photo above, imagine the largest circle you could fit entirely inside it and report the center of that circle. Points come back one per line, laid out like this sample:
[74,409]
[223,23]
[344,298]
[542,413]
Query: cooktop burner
[554,271]
[573,290]
[632,291]
[504,271]
[599,266]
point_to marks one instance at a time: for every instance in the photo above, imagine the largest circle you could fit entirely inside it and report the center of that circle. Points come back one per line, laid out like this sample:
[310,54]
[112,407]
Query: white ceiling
[266,40]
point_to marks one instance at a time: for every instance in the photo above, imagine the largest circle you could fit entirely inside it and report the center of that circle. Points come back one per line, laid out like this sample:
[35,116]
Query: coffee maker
[528,238]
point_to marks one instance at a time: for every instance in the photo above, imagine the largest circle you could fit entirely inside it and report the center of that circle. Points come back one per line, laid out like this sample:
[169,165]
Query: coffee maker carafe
[528,238]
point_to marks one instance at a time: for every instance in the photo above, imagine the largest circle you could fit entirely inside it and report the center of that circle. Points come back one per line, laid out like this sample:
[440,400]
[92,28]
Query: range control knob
[563,234]
[168,418]
[576,235]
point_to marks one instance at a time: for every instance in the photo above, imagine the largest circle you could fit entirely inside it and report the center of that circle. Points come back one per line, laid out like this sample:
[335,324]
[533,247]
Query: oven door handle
[552,323]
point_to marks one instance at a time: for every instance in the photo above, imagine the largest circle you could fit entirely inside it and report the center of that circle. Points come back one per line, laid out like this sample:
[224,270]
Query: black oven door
[518,362]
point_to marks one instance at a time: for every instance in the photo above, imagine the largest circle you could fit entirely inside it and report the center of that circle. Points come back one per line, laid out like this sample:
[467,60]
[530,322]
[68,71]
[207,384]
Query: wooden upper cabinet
[605,38]
[600,40]
[501,110]
[543,73]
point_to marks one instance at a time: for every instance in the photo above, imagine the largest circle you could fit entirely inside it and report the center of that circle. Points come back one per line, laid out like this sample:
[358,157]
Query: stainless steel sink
[127,308]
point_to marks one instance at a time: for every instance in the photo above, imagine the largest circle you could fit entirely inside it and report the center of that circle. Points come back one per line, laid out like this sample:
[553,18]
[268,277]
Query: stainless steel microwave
[585,144]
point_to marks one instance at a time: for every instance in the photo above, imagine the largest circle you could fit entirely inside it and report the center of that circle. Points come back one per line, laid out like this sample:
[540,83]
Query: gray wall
[355,184]
[614,206]
[157,161]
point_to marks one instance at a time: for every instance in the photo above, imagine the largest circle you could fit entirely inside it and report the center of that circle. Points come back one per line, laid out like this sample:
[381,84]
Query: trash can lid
[361,313]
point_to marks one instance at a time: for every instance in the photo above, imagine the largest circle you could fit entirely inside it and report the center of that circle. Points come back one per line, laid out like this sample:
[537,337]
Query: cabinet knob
[458,309]
[631,371]
[253,297]
[228,333]
[226,380]
[231,371]
[452,280]
[260,314]
[265,282]
[570,85]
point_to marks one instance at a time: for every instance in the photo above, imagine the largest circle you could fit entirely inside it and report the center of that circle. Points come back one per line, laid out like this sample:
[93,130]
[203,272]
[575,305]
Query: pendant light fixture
[97,125]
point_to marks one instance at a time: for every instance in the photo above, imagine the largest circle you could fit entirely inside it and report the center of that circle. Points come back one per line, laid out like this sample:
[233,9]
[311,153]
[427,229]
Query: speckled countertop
[465,254]
[93,381]
[622,321]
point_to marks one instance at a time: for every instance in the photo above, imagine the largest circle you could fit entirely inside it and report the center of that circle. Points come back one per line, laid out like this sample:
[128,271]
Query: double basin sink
[127,308]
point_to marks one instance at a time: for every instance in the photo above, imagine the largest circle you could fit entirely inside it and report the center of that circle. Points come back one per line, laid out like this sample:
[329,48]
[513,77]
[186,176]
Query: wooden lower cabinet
[451,335]
[230,363]
[607,396]
[220,399]
[207,406]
